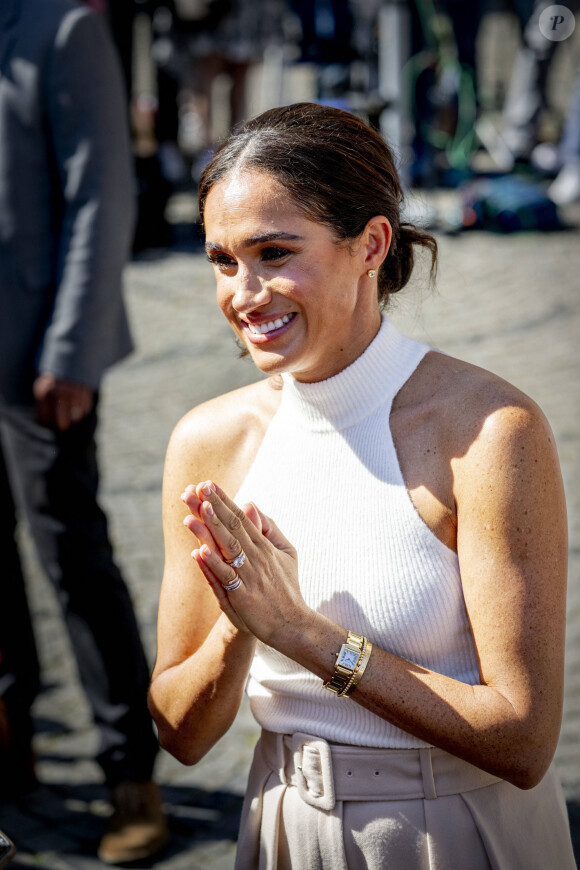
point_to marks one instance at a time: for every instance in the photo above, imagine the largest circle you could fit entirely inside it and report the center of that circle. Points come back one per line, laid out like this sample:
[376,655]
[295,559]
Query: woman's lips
[260,333]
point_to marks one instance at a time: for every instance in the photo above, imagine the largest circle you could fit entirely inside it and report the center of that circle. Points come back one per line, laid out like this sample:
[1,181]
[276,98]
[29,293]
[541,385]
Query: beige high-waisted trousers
[312,805]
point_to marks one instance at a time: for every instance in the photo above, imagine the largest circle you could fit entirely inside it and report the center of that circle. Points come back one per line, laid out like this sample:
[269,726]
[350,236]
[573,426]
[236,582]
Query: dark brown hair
[337,169]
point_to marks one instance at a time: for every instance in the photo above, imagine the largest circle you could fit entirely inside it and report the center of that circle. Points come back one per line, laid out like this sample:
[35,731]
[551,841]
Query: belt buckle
[326,800]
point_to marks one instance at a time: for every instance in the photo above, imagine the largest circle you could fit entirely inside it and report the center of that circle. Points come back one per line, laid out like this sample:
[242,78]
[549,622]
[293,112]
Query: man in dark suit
[66,216]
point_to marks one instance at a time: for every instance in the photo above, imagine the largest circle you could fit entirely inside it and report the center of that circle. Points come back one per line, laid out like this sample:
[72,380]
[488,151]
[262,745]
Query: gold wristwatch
[351,661]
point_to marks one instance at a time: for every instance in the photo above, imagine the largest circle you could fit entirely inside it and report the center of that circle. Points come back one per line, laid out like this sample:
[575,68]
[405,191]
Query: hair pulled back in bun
[336,168]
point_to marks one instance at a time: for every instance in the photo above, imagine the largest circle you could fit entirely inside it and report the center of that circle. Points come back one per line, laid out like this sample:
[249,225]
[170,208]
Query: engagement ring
[238,561]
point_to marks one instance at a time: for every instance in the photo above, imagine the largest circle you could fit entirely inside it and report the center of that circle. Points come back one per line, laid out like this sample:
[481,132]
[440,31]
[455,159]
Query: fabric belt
[325,773]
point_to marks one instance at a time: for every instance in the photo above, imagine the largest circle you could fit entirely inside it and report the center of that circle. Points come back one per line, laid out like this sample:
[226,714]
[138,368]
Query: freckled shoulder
[456,428]
[462,401]
[219,439]
[498,439]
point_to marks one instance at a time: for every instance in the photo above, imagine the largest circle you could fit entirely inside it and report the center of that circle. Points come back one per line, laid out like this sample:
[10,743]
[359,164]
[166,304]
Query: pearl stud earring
[371,273]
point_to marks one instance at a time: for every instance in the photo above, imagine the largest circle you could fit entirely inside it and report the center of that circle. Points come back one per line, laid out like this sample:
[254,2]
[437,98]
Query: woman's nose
[250,292]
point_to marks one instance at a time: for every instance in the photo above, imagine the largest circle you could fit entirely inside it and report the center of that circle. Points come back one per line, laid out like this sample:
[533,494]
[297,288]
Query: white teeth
[262,328]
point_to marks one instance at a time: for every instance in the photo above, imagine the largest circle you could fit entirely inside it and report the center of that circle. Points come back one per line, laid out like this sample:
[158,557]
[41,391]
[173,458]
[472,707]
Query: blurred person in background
[328,30]
[565,188]
[526,98]
[200,40]
[153,118]
[66,218]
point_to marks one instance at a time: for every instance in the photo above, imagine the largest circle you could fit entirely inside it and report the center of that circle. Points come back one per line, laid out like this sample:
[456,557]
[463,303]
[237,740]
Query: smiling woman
[269,256]
[402,647]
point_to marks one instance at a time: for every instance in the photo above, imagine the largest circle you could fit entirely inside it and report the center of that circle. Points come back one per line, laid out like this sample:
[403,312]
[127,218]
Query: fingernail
[208,509]
[207,489]
[205,550]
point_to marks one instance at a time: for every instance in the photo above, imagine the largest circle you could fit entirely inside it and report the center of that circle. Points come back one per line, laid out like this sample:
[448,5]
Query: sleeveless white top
[328,474]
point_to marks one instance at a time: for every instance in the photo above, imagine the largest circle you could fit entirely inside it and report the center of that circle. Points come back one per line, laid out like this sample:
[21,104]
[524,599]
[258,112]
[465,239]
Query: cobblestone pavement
[508,303]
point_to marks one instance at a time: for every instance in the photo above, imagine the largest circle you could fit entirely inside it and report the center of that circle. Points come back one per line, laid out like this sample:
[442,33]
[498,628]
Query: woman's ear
[376,241]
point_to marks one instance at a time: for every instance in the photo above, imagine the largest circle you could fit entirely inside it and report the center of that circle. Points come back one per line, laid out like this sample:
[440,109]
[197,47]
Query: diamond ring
[238,561]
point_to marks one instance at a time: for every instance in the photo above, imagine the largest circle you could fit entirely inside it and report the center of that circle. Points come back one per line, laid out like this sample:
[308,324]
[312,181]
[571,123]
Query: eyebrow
[257,240]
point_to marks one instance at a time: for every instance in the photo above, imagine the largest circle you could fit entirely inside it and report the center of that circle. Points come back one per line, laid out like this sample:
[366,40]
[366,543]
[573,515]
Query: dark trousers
[54,479]
[19,667]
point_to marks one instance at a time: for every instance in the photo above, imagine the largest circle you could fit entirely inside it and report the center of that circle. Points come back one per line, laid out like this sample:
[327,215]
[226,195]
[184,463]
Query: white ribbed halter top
[328,474]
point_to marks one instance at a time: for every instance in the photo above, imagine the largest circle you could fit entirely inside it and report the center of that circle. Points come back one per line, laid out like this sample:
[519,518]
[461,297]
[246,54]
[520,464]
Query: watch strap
[345,678]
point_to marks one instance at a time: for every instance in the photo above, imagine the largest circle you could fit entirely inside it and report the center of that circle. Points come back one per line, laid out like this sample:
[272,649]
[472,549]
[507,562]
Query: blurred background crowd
[195,68]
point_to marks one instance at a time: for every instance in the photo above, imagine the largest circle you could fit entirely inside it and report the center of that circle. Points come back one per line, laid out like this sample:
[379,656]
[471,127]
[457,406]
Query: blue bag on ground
[507,204]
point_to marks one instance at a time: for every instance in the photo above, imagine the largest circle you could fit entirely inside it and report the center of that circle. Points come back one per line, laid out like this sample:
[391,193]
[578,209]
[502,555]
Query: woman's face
[299,301]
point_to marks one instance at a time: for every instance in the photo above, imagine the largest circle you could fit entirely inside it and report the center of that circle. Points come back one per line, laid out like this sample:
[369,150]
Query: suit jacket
[66,196]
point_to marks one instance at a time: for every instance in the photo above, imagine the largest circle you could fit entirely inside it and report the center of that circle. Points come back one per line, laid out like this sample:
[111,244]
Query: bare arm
[512,552]
[203,657]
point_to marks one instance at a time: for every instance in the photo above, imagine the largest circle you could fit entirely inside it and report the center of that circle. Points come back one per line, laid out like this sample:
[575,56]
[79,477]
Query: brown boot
[137,828]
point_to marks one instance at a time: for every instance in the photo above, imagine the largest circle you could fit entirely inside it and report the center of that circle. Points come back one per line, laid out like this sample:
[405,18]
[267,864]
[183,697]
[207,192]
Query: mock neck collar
[347,398]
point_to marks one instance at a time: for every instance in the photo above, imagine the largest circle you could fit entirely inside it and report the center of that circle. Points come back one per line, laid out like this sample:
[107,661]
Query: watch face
[348,658]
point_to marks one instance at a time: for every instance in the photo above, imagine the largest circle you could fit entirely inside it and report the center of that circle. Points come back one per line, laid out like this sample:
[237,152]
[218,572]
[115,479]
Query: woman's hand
[268,602]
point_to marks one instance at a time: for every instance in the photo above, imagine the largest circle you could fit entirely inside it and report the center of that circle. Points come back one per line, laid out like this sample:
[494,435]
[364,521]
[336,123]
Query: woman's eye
[274,253]
[222,261]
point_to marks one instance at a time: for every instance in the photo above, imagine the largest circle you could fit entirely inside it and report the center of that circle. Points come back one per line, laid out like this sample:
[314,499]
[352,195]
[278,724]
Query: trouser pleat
[446,815]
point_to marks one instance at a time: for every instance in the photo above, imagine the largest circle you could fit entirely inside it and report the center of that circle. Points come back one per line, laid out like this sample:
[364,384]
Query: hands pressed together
[268,599]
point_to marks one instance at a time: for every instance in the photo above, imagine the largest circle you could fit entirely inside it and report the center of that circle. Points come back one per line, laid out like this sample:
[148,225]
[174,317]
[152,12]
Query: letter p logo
[557,23]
